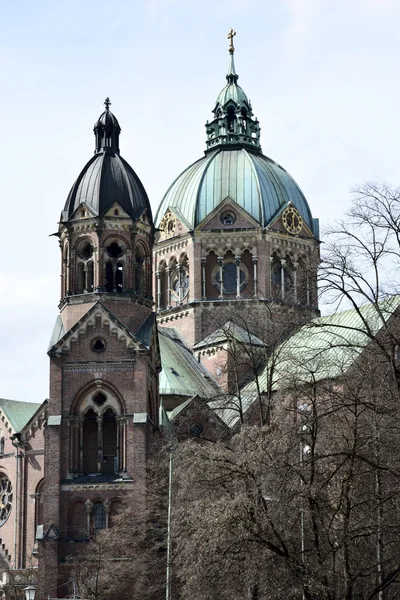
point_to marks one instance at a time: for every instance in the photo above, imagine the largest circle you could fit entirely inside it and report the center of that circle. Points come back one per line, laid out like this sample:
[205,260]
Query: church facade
[135,336]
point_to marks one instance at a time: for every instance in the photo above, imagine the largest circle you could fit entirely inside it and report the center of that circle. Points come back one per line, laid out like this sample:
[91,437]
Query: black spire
[107,131]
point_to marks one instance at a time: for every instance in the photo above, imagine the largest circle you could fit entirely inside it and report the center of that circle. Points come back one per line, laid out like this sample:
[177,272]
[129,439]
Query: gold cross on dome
[231,35]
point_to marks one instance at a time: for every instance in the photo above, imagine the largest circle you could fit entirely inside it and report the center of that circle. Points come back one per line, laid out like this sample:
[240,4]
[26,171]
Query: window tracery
[115,267]
[97,435]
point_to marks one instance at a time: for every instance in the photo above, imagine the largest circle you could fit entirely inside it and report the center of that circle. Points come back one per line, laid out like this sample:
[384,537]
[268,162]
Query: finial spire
[107,103]
[232,76]
[231,35]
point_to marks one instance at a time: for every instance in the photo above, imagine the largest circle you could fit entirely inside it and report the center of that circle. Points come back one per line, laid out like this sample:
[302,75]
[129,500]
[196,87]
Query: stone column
[295,295]
[179,268]
[107,507]
[237,263]
[81,422]
[168,270]
[99,444]
[255,280]
[158,291]
[203,278]
[283,262]
[88,510]
[220,260]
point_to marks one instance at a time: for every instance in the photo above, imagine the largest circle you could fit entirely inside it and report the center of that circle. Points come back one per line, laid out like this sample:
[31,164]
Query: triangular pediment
[228,215]
[116,211]
[97,313]
[84,211]
[171,225]
[280,224]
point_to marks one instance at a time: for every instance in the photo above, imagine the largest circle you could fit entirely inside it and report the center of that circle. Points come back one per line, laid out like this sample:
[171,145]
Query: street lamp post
[30,592]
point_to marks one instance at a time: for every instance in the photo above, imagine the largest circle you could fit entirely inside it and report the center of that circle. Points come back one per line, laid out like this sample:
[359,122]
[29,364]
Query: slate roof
[107,179]
[18,413]
[181,374]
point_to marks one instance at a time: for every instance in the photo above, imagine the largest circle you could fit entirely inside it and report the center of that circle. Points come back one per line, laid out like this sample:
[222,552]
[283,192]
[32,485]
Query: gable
[116,211]
[98,316]
[289,222]
[228,216]
[171,225]
[84,211]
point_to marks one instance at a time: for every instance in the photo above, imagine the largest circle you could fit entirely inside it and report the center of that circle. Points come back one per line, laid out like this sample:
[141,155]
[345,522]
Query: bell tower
[104,362]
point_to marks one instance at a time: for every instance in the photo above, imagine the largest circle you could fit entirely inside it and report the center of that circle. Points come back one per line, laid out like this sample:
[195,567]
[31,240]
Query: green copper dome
[234,167]
[232,91]
[255,182]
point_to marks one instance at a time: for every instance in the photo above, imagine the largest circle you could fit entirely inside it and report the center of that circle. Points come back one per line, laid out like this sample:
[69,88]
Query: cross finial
[107,103]
[231,35]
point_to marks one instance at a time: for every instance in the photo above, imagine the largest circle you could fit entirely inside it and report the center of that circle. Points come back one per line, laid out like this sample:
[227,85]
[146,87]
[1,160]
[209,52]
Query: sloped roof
[229,331]
[60,336]
[326,347]
[227,408]
[181,374]
[18,413]
[145,332]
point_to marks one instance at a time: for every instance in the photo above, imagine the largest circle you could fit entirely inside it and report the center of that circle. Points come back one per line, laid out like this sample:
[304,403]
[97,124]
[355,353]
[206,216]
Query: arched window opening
[89,276]
[162,286]
[303,283]
[81,278]
[140,269]
[276,277]
[119,277]
[90,443]
[231,120]
[99,516]
[289,288]
[109,277]
[110,452]
[39,499]
[2,444]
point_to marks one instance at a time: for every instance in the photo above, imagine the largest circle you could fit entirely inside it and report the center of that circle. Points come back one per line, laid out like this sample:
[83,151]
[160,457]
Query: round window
[86,251]
[98,345]
[196,429]
[6,499]
[180,284]
[228,218]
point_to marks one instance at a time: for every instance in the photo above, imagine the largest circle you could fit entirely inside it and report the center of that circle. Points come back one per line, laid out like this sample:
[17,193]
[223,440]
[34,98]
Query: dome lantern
[234,124]
[107,130]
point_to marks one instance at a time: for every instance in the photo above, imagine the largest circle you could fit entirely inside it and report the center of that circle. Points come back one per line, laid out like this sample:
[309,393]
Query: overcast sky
[323,78]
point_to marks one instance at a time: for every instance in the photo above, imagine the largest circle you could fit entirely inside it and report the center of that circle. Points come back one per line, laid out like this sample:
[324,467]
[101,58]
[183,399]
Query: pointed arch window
[115,268]
[99,516]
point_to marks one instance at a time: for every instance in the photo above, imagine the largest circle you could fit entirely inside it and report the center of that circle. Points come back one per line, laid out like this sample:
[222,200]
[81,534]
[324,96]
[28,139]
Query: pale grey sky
[322,77]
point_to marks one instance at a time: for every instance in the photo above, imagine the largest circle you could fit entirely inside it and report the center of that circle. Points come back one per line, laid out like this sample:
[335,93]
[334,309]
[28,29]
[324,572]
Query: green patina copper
[18,413]
[234,167]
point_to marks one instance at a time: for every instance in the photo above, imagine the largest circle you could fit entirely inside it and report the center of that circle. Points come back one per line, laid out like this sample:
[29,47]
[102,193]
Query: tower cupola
[233,123]
[107,130]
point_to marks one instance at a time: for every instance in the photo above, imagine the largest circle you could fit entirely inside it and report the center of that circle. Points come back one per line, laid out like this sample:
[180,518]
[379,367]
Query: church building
[142,318]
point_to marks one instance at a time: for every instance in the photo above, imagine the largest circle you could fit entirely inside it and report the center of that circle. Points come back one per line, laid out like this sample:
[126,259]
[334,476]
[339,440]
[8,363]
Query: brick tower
[103,403]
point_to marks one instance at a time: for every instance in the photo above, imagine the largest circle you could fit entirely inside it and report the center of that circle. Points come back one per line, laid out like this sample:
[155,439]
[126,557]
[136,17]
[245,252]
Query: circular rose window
[6,498]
